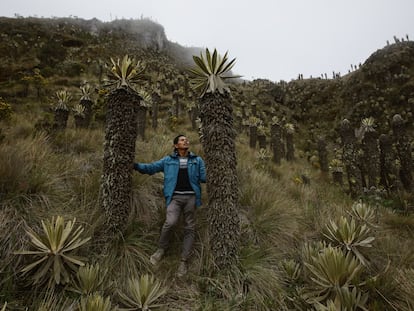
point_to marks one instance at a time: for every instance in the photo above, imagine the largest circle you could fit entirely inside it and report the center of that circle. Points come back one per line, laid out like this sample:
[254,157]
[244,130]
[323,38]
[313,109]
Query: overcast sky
[270,39]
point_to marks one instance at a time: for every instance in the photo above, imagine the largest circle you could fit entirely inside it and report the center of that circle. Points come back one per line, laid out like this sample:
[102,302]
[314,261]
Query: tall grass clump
[78,141]
[30,171]
[21,126]
[268,217]
[11,226]
[404,278]
[130,253]
[52,299]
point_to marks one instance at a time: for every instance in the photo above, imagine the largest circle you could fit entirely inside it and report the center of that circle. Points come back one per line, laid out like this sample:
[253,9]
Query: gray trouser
[186,205]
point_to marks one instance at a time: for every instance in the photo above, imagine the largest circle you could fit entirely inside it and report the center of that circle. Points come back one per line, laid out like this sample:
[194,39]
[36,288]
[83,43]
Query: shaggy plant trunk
[254,110]
[156,98]
[252,136]
[276,143]
[371,157]
[350,159]
[87,104]
[388,171]
[262,141]
[61,119]
[290,149]
[218,137]
[177,106]
[119,154]
[403,145]
[79,121]
[142,121]
[337,177]
[323,155]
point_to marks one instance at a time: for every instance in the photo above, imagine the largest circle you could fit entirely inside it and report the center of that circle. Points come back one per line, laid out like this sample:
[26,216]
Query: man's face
[183,143]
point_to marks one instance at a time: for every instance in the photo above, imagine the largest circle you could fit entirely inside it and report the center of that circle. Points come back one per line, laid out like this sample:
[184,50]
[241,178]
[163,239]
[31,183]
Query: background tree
[254,122]
[276,140]
[370,150]
[217,138]
[61,110]
[337,171]
[145,103]
[192,111]
[177,95]
[39,82]
[156,99]
[403,145]
[253,105]
[323,154]
[123,103]
[87,103]
[389,176]
[261,136]
[350,158]
[79,115]
[290,147]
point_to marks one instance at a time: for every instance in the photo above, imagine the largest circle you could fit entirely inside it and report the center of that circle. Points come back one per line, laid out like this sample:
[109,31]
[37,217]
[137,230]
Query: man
[183,173]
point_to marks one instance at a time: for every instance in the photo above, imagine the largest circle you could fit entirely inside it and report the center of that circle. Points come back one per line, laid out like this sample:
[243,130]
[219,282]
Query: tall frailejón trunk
[370,157]
[79,120]
[177,106]
[61,119]
[389,175]
[323,155]
[218,137]
[403,146]
[156,99]
[87,104]
[253,136]
[290,148]
[276,143]
[119,152]
[261,138]
[350,158]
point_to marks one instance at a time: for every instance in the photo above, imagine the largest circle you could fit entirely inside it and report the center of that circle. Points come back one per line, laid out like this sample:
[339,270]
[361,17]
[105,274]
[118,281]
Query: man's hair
[175,141]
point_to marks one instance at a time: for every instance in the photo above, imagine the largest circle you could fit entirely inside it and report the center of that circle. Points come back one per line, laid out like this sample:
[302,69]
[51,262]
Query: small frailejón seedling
[143,293]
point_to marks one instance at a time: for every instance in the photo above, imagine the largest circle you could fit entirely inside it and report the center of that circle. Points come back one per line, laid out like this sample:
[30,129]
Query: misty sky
[270,39]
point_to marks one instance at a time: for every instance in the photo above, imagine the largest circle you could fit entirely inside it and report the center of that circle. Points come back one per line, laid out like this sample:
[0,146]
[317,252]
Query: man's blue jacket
[170,166]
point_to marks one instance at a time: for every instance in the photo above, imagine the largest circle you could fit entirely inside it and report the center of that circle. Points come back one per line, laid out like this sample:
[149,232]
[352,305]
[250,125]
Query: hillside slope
[380,88]
[65,48]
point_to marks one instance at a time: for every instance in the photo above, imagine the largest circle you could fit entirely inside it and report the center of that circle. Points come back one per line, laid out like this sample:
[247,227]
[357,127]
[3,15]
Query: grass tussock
[31,174]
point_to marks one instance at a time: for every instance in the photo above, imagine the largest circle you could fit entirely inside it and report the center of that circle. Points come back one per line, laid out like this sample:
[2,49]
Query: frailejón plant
[143,293]
[53,255]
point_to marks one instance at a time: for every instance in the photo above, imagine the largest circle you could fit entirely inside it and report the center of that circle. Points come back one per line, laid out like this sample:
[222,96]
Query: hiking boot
[182,269]
[156,257]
